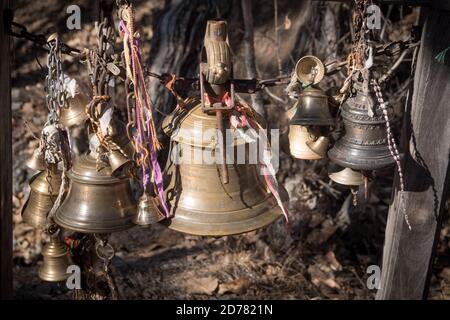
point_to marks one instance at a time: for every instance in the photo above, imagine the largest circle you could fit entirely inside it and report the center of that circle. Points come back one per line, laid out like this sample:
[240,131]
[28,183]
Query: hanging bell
[96,201]
[320,146]
[347,177]
[44,191]
[309,70]
[74,113]
[56,261]
[299,136]
[37,161]
[117,161]
[199,201]
[312,109]
[148,212]
[364,145]
[118,132]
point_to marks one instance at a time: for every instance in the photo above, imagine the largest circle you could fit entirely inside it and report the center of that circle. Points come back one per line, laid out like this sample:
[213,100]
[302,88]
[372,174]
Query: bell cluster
[201,198]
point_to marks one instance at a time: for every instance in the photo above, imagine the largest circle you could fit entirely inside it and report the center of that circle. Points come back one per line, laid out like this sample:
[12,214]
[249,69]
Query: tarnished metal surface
[44,191]
[74,114]
[56,260]
[200,203]
[364,145]
[96,201]
[298,137]
[312,109]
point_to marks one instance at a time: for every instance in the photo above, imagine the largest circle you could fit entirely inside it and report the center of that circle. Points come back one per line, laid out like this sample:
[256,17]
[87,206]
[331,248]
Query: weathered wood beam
[408,254]
[5,163]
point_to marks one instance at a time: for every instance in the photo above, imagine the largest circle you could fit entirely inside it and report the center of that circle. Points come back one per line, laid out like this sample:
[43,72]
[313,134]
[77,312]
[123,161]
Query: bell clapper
[354,192]
[105,252]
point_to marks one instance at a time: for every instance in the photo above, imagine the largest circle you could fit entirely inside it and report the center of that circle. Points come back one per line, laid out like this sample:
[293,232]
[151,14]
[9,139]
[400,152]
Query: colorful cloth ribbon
[146,145]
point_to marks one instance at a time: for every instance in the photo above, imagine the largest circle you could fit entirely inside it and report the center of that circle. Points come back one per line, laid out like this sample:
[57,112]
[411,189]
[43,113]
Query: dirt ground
[325,257]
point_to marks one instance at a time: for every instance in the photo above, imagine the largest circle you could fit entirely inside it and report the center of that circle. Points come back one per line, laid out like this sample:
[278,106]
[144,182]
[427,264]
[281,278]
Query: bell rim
[230,229]
[122,224]
[261,220]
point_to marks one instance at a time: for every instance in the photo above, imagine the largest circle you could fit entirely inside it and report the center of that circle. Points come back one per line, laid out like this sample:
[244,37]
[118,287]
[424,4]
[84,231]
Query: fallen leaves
[238,286]
[205,285]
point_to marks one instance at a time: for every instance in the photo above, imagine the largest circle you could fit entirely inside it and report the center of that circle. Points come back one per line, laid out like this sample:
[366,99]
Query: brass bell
[96,201]
[44,191]
[199,202]
[364,145]
[299,136]
[312,109]
[309,70]
[36,161]
[74,113]
[320,146]
[347,177]
[56,261]
[117,161]
[118,132]
[148,212]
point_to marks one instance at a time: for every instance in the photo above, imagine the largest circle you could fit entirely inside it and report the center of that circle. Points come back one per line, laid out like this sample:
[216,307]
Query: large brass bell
[148,211]
[74,113]
[56,261]
[347,177]
[96,201]
[364,145]
[299,137]
[199,202]
[44,191]
[36,161]
[312,109]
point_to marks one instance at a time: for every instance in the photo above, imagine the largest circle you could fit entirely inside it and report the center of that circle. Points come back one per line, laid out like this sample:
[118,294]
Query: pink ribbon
[139,84]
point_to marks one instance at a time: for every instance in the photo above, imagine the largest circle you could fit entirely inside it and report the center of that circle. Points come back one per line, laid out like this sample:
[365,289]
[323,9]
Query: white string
[392,146]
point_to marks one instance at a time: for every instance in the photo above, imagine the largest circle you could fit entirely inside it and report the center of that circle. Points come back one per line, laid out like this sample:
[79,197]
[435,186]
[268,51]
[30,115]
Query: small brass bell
[148,212]
[74,114]
[312,109]
[309,70]
[96,201]
[299,136]
[44,191]
[36,161]
[199,202]
[117,161]
[320,146]
[364,145]
[56,261]
[348,177]
[117,131]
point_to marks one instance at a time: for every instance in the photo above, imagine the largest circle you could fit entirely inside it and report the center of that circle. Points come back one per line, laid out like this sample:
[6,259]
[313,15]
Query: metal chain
[391,144]
[54,81]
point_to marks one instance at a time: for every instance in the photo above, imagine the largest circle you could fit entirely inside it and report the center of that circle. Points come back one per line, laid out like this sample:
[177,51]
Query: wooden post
[5,163]
[408,254]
